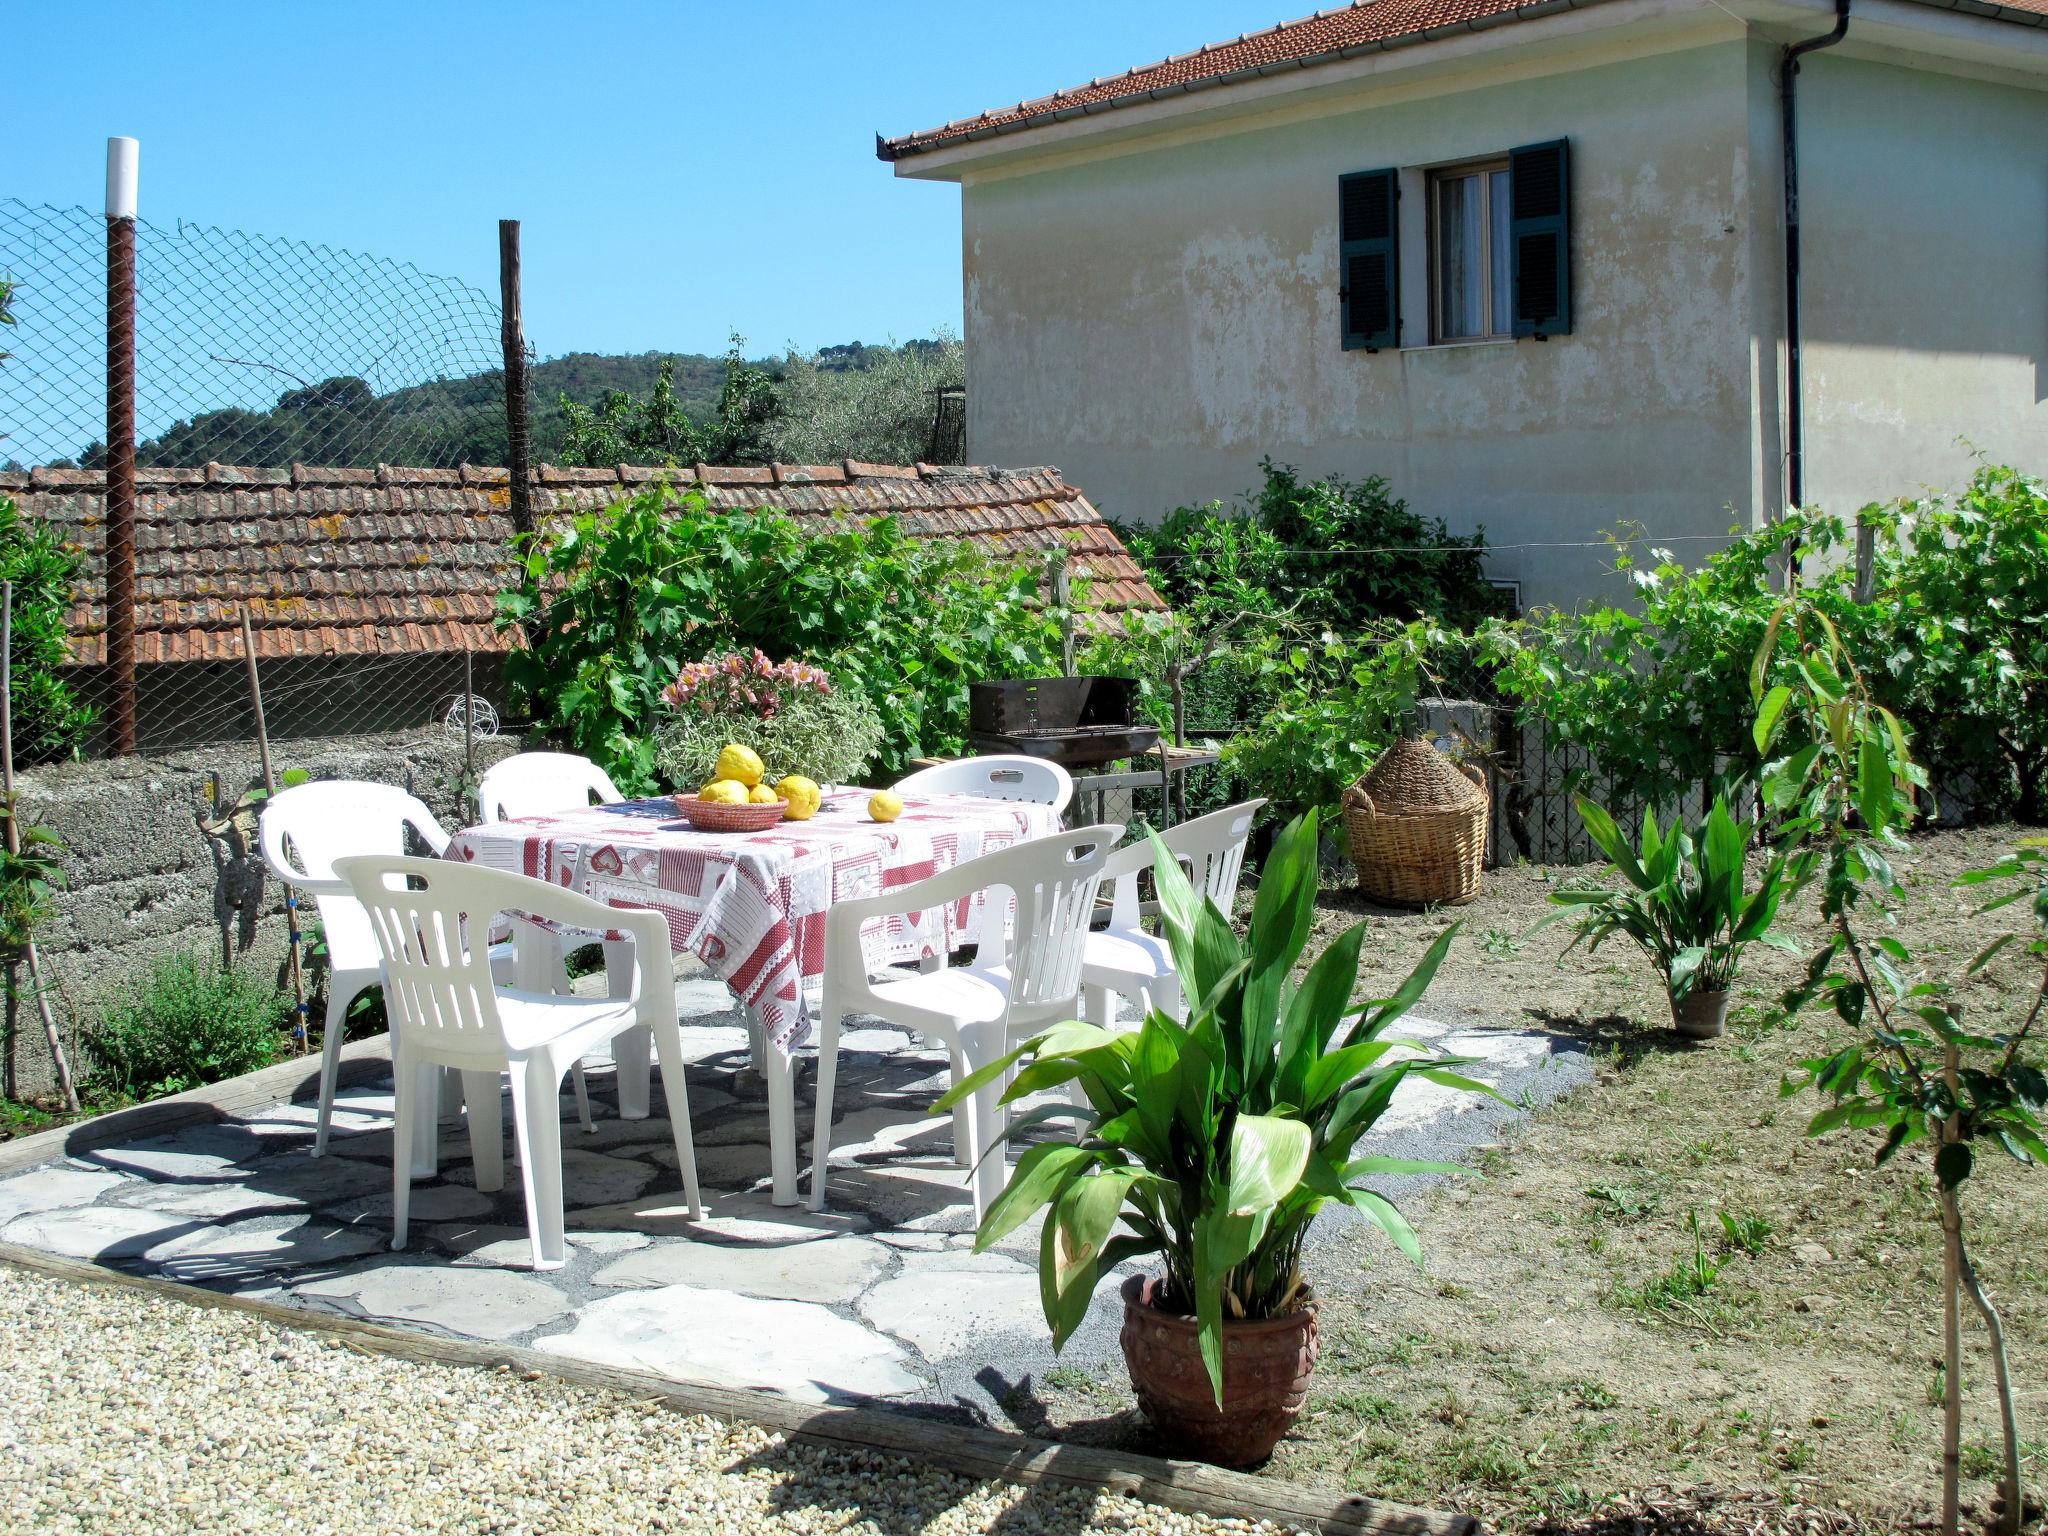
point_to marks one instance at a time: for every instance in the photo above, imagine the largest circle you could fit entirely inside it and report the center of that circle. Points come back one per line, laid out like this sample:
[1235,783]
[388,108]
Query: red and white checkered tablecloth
[752,905]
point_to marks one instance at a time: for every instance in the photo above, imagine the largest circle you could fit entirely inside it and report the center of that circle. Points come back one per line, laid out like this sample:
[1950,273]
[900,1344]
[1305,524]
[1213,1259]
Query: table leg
[780,1073]
[630,1050]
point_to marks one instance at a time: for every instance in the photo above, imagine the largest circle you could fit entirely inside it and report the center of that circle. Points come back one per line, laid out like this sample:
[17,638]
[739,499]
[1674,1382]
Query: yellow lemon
[742,763]
[724,792]
[884,806]
[761,794]
[803,796]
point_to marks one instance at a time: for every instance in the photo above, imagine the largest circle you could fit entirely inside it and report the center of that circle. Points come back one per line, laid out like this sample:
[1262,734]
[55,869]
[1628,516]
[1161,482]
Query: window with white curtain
[1470,268]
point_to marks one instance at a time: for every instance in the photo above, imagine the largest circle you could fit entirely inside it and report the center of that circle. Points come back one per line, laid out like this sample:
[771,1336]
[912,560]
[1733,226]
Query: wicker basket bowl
[1416,824]
[717,816]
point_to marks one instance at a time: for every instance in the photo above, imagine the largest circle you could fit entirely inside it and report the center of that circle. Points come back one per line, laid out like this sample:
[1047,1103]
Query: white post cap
[122,155]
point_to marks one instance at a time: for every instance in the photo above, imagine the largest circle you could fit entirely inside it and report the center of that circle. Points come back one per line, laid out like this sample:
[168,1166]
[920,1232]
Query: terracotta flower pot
[1700,1015]
[1266,1369]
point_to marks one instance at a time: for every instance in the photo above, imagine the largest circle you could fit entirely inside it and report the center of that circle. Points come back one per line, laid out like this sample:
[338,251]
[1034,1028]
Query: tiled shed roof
[386,561]
[1340,32]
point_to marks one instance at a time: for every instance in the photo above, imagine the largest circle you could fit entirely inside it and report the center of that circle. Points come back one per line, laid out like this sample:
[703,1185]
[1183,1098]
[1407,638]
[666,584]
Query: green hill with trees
[860,399]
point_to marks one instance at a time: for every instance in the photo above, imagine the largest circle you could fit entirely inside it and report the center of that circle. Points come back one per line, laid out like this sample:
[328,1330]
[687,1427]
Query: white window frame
[1498,327]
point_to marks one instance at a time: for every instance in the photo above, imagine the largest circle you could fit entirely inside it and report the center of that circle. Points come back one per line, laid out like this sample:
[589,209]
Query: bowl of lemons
[739,798]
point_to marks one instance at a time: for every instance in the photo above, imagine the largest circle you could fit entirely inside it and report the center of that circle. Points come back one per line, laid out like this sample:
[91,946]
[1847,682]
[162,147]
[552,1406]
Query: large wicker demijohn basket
[1417,827]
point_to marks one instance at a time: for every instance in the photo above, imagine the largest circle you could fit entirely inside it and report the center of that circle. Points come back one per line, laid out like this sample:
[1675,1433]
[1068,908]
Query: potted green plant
[1687,906]
[1216,1142]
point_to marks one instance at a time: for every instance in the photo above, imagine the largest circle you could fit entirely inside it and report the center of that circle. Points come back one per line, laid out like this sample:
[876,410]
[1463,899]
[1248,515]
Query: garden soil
[1557,1367]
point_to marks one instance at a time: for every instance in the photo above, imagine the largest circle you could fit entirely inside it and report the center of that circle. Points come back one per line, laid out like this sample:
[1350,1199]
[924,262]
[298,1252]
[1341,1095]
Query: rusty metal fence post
[122,155]
[514,338]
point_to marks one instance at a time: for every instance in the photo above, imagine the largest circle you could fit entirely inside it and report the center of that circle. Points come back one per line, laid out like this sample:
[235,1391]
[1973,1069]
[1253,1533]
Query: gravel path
[128,1413]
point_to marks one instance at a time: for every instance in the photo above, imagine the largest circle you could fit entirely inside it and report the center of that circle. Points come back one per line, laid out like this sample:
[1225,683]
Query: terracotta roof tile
[397,560]
[1329,35]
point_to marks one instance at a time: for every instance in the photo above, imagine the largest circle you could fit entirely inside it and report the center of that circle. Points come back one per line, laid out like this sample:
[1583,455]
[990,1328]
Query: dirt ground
[1539,1375]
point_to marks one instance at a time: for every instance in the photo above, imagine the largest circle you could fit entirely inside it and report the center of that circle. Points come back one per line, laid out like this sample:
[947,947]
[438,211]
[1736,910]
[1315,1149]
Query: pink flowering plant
[741,683]
[788,711]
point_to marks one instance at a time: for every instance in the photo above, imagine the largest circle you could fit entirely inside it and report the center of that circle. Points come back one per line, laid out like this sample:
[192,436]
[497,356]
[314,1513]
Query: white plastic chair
[1026,974]
[430,918]
[1124,960]
[540,784]
[537,783]
[303,830]
[996,777]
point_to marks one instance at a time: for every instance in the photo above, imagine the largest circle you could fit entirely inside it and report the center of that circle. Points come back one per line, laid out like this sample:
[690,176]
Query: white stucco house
[1529,261]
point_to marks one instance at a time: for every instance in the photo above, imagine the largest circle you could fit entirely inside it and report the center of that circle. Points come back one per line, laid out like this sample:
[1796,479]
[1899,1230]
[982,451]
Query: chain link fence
[274,380]
[250,351]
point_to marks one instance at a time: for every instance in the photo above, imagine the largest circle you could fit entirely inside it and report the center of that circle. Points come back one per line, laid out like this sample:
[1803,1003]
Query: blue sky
[681,169]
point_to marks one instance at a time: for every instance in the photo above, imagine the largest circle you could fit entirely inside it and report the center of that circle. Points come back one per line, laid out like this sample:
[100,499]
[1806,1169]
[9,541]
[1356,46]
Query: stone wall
[146,878]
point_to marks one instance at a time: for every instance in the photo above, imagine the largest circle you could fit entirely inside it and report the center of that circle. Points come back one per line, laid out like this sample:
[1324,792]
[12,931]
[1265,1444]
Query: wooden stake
[468,714]
[1059,565]
[35,978]
[291,900]
[1951,1325]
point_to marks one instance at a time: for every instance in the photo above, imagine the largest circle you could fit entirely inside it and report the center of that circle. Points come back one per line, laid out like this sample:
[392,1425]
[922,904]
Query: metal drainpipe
[1795,425]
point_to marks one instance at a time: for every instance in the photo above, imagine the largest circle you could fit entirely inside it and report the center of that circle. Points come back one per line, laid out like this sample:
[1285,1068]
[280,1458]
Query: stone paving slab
[691,1333]
[940,1303]
[103,1233]
[878,1295]
[496,1305]
[52,1188]
[826,1271]
[254,1248]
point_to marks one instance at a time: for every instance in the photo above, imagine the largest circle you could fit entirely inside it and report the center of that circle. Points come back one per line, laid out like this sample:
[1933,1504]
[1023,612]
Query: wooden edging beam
[1189,1487]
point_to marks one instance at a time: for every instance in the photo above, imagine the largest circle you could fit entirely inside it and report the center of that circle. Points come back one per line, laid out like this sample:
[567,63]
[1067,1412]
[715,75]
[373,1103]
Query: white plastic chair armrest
[270,840]
[939,890]
[311,886]
[431,832]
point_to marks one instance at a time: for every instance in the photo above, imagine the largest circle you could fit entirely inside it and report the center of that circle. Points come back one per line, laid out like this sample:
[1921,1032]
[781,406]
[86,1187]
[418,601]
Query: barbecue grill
[1072,721]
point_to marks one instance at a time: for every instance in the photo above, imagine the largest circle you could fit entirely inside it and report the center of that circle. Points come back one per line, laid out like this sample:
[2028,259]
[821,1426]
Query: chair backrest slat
[1052,884]
[432,921]
[995,777]
[1212,849]
[306,828]
[538,783]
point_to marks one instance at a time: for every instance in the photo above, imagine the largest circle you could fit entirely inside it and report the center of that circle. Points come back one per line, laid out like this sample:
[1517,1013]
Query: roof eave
[938,142]
[915,144]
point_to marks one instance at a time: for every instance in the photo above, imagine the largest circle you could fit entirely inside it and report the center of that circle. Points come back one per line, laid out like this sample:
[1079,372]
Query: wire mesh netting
[249,350]
[261,354]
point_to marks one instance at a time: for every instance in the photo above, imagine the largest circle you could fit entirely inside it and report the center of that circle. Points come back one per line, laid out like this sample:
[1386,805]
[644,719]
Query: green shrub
[657,430]
[1281,603]
[191,1022]
[1954,641]
[615,602]
[49,721]
[1961,593]
[1339,705]
[1345,554]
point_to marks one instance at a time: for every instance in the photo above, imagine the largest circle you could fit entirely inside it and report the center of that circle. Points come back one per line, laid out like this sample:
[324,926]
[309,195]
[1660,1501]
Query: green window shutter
[1540,237]
[1369,259]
